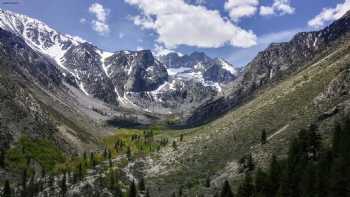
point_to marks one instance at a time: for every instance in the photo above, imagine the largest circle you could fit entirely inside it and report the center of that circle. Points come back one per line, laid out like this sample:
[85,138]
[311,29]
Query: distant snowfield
[228,67]
[175,71]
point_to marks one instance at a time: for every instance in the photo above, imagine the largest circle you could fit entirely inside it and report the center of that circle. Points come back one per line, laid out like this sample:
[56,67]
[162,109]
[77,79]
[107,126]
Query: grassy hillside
[213,150]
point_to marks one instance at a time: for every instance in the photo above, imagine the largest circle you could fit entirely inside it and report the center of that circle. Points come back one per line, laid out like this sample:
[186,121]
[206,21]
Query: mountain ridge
[276,62]
[286,88]
[89,69]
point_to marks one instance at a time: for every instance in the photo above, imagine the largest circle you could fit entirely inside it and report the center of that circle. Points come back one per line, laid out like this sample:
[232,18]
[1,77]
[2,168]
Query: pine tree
[112,179]
[128,153]
[246,189]
[92,159]
[342,145]
[336,139]
[250,163]
[2,159]
[307,185]
[340,170]
[117,191]
[64,184]
[263,137]
[24,179]
[226,190]
[43,173]
[174,145]
[261,183]
[207,182]
[110,158]
[147,194]
[181,137]
[291,176]
[142,186]
[105,153]
[274,176]
[180,191]
[85,159]
[80,172]
[51,181]
[132,190]
[314,143]
[339,178]
[7,189]
[323,174]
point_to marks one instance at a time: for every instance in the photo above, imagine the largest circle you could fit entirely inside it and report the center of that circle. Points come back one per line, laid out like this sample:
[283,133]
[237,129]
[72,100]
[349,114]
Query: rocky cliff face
[290,56]
[85,62]
[174,60]
[130,79]
[135,71]
[276,62]
[213,70]
[21,112]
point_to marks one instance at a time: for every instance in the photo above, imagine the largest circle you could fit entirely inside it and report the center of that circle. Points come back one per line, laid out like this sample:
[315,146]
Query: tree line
[311,169]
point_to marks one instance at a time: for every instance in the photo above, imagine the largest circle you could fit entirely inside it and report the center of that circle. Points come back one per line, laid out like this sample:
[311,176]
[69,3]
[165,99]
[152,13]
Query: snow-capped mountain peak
[38,35]
[132,79]
[227,66]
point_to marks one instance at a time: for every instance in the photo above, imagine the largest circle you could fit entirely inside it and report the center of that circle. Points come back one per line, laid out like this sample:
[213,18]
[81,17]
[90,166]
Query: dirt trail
[278,132]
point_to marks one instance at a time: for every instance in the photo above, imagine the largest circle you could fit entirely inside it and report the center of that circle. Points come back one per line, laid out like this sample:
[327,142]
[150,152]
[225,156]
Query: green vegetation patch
[134,141]
[39,150]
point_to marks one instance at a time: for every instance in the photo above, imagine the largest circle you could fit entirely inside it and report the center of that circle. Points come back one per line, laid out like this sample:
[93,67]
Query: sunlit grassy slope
[281,109]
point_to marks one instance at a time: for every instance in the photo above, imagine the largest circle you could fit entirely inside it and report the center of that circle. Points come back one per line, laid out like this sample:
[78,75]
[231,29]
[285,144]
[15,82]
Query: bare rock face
[280,58]
[136,71]
[277,61]
[174,60]
[217,74]
[337,90]
[85,61]
[27,61]
[20,112]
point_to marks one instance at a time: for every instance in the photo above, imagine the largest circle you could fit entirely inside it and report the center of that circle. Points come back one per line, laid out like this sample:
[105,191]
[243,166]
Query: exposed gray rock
[136,71]
[86,63]
[275,63]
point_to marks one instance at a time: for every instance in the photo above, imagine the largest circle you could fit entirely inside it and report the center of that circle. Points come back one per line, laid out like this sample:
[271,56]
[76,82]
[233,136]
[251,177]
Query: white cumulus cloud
[99,24]
[160,50]
[83,20]
[139,48]
[280,7]
[179,23]
[100,27]
[330,14]
[241,8]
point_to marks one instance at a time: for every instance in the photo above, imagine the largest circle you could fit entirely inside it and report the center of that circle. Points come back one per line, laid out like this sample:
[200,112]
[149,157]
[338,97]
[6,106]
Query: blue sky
[233,29]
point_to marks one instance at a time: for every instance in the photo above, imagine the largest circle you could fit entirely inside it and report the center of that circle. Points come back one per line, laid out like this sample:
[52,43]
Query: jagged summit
[130,79]
[278,60]
[39,36]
